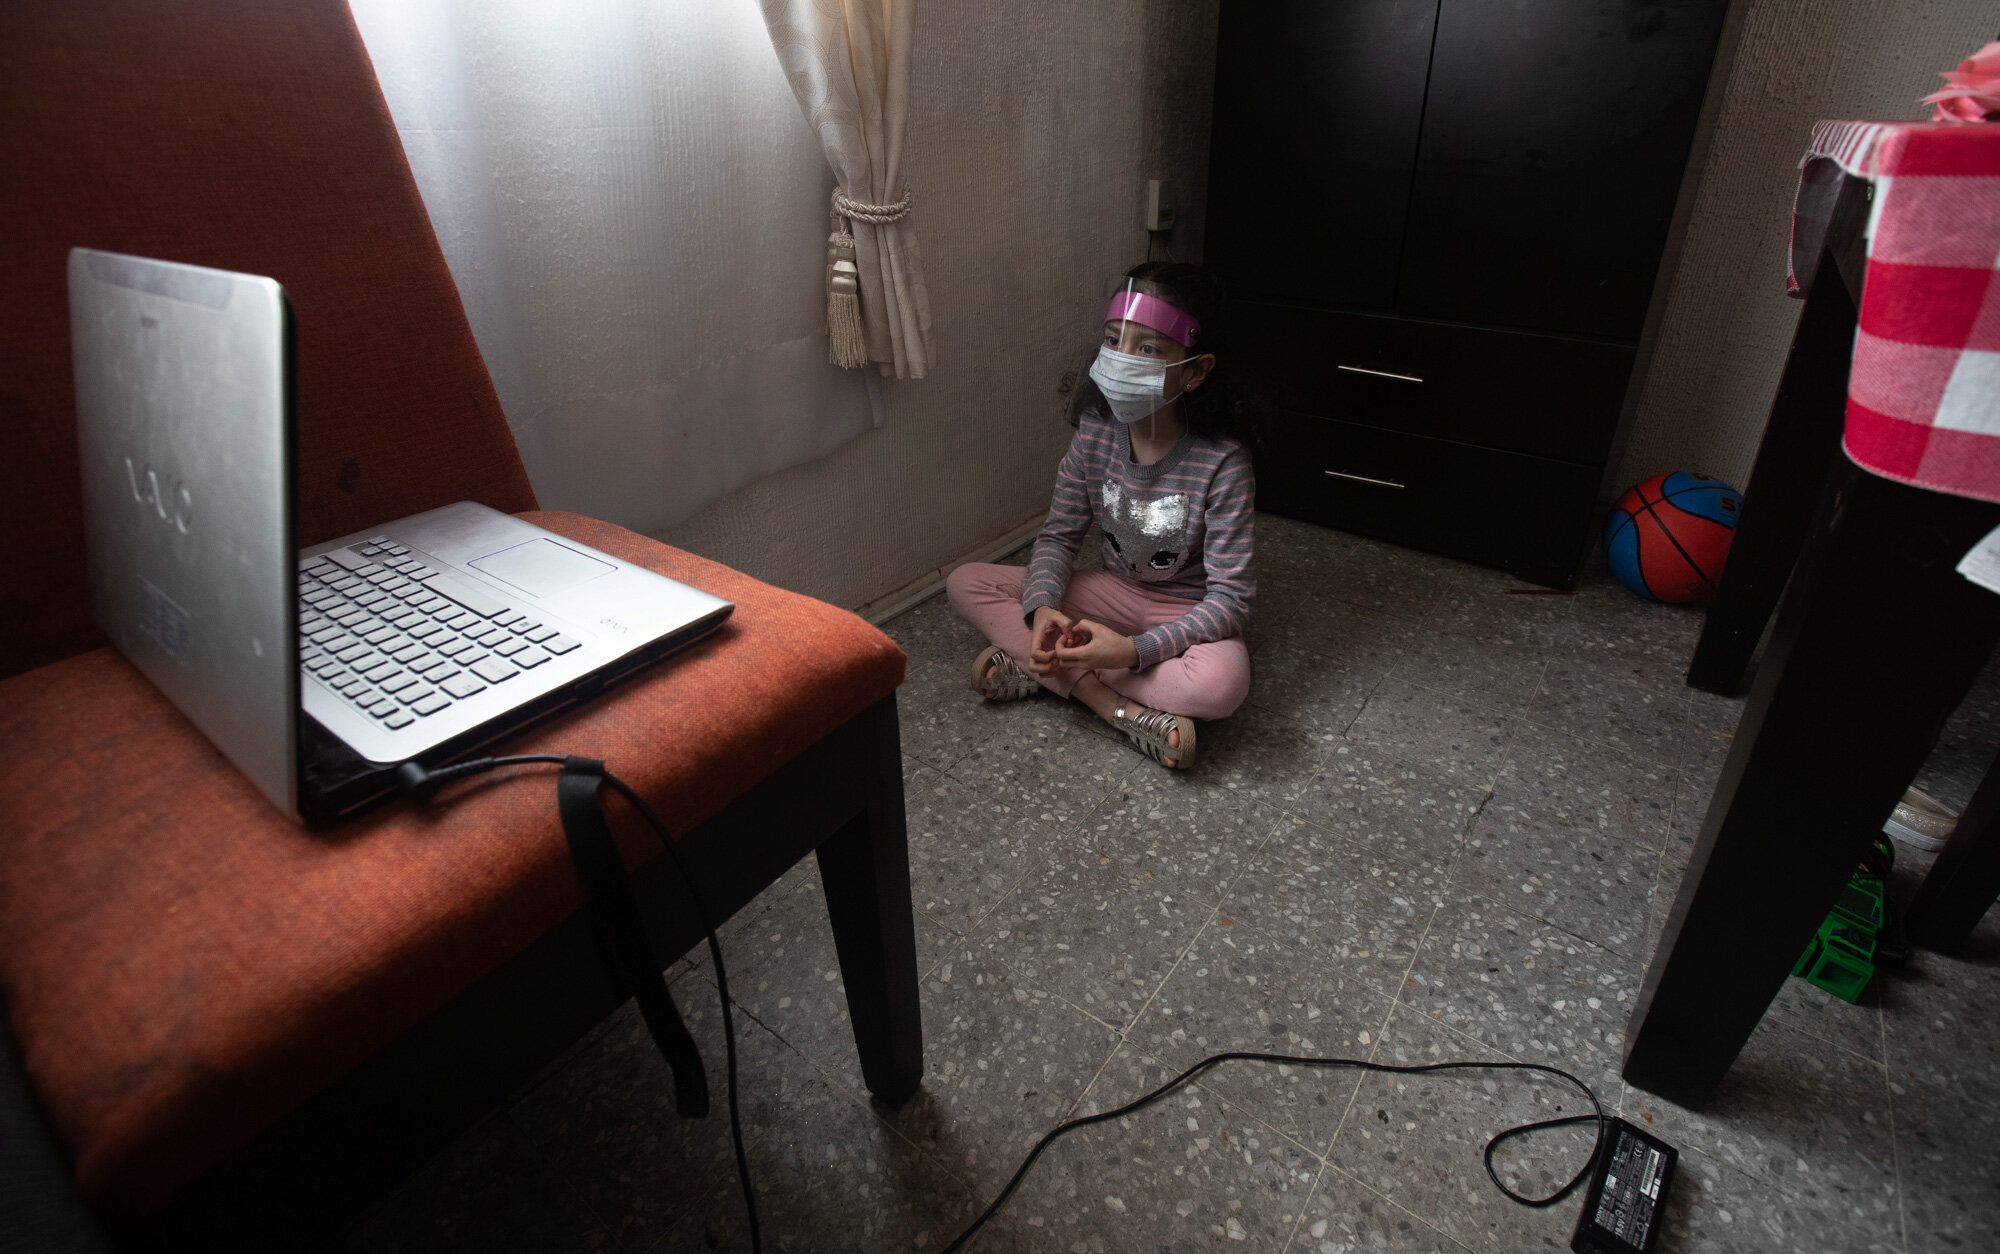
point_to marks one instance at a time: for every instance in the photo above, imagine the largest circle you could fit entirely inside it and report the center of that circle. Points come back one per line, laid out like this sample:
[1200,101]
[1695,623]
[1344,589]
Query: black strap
[614,907]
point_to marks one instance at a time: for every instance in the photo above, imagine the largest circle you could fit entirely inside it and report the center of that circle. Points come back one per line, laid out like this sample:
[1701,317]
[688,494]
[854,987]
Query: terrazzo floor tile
[1388,578]
[1004,1062]
[1689,809]
[1692,797]
[786,975]
[606,1127]
[1260,755]
[1806,1116]
[1368,640]
[1287,594]
[966,849]
[1241,990]
[740,928]
[1950,1169]
[939,718]
[1647,725]
[1942,1018]
[1304,614]
[833,1176]
[1046,769]
[1500,671]
[1527,989]
[1390,807]
[1321,894]
[1521,855]
[1185,826]
[1583,783]
[1461,737]
[1324,693]
[1666,884]
[1704,752]
[933,633]
[1418,1140]
[785,972]
[1096,932]
[1293,547]
[1344,1216]
[1478,608]
[1607,617]
[1715,1209]
[1719,716]
[1854,1027]
[1191,1172]
[1640,659]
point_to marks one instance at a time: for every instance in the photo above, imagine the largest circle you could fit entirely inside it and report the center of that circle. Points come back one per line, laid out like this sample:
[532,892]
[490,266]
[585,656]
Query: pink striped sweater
[1180,526]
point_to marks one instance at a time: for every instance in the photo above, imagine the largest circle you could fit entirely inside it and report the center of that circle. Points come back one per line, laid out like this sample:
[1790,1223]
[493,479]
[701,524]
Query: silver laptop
[316,671]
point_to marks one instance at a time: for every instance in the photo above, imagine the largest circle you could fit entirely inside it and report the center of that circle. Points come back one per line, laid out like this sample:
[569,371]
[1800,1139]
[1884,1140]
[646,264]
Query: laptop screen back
[185,442]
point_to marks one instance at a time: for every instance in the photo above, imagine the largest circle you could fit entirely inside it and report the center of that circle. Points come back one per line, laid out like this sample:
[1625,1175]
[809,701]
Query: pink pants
[1208,681]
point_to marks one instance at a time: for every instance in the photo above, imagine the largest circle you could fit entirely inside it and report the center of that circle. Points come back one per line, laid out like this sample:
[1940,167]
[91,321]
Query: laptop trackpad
[541,568]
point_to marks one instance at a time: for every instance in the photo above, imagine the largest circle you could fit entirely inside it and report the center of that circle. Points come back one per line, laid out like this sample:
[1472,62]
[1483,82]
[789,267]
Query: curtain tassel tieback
[846,342]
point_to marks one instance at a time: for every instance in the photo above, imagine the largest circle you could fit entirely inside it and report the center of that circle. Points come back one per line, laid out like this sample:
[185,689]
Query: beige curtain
[848,62]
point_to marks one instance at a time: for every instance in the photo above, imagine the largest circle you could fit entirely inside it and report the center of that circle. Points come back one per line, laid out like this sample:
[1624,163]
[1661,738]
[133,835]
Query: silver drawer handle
[1382,483]
[1381,374]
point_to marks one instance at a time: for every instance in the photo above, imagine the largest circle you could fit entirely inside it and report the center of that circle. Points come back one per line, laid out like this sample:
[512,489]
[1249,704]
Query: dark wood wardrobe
[1439,222]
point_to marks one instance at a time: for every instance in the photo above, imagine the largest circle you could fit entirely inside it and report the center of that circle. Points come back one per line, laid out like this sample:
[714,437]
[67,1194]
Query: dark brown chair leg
[1964,882]
[1878,639]
[865,868]
[1801,443]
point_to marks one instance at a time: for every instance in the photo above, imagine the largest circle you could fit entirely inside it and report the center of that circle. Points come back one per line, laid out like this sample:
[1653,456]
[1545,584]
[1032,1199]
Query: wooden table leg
[1800,446]
[865,869]
[1964,882]
[1877,641]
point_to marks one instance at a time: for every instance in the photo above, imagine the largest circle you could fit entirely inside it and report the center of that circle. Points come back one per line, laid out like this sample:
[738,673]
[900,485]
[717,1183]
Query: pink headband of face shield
[1153,312]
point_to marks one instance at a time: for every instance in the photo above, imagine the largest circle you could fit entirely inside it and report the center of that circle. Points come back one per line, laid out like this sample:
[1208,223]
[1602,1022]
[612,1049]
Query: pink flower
[1973,93]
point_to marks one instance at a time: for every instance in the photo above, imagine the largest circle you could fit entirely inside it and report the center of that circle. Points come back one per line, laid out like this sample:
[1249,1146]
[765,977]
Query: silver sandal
[1148,731]
[997,677]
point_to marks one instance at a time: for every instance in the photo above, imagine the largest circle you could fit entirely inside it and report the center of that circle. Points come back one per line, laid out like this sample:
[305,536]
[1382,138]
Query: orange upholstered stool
[183,966]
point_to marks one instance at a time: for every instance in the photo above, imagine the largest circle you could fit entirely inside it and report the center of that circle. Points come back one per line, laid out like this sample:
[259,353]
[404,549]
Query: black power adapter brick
[1628,1192]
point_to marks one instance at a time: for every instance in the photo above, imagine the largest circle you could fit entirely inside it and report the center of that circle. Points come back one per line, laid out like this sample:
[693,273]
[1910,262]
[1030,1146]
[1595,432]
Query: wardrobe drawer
[1540,394]
[1527,515]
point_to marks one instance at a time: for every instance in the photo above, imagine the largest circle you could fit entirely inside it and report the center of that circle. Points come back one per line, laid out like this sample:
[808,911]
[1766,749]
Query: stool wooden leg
[865,868]
[1801,443]
[1878,639]
[1964,882]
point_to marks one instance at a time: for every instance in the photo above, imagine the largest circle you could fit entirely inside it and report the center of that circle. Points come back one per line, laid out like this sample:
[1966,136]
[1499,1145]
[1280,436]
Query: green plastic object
[1840,958]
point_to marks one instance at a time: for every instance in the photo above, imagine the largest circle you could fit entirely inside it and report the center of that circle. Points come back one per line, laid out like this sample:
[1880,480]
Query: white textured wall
[1728,323]
[1033,128]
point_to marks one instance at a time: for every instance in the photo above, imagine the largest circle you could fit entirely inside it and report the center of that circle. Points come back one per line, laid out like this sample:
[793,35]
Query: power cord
[1216,1059]
[422,784]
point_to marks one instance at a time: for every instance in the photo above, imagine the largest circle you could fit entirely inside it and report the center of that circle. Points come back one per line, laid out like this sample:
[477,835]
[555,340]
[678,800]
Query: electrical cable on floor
[1213,1060]
[422,784]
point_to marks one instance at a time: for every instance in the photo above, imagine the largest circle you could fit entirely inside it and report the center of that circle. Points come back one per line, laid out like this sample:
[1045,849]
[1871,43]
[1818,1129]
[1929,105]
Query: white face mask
[1134,386]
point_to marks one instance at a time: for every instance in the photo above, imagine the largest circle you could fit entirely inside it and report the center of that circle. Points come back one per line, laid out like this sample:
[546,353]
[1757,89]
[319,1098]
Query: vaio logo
[175,505]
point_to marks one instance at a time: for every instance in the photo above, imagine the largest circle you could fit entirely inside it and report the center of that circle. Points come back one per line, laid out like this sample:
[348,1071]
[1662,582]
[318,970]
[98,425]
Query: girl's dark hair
[1211,409]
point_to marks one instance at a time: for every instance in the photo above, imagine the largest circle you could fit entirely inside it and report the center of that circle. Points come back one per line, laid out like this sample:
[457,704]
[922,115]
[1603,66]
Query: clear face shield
[1139,372]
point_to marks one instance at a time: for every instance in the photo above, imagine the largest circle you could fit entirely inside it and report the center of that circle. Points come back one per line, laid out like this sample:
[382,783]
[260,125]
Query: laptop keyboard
[399,638]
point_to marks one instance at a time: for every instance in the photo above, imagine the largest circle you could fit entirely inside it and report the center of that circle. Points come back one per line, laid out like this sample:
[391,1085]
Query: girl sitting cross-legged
[1155,640]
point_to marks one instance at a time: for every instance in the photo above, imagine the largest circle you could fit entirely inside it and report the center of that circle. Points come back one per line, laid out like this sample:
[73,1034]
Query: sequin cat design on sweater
[1149,533]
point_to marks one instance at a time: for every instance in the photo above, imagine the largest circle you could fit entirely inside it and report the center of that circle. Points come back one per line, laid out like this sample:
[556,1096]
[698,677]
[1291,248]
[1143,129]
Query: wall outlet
[1159,204]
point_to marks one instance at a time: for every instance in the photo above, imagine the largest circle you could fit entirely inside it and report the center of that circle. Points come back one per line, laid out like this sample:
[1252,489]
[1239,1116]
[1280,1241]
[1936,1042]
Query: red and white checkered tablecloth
[1923,394]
